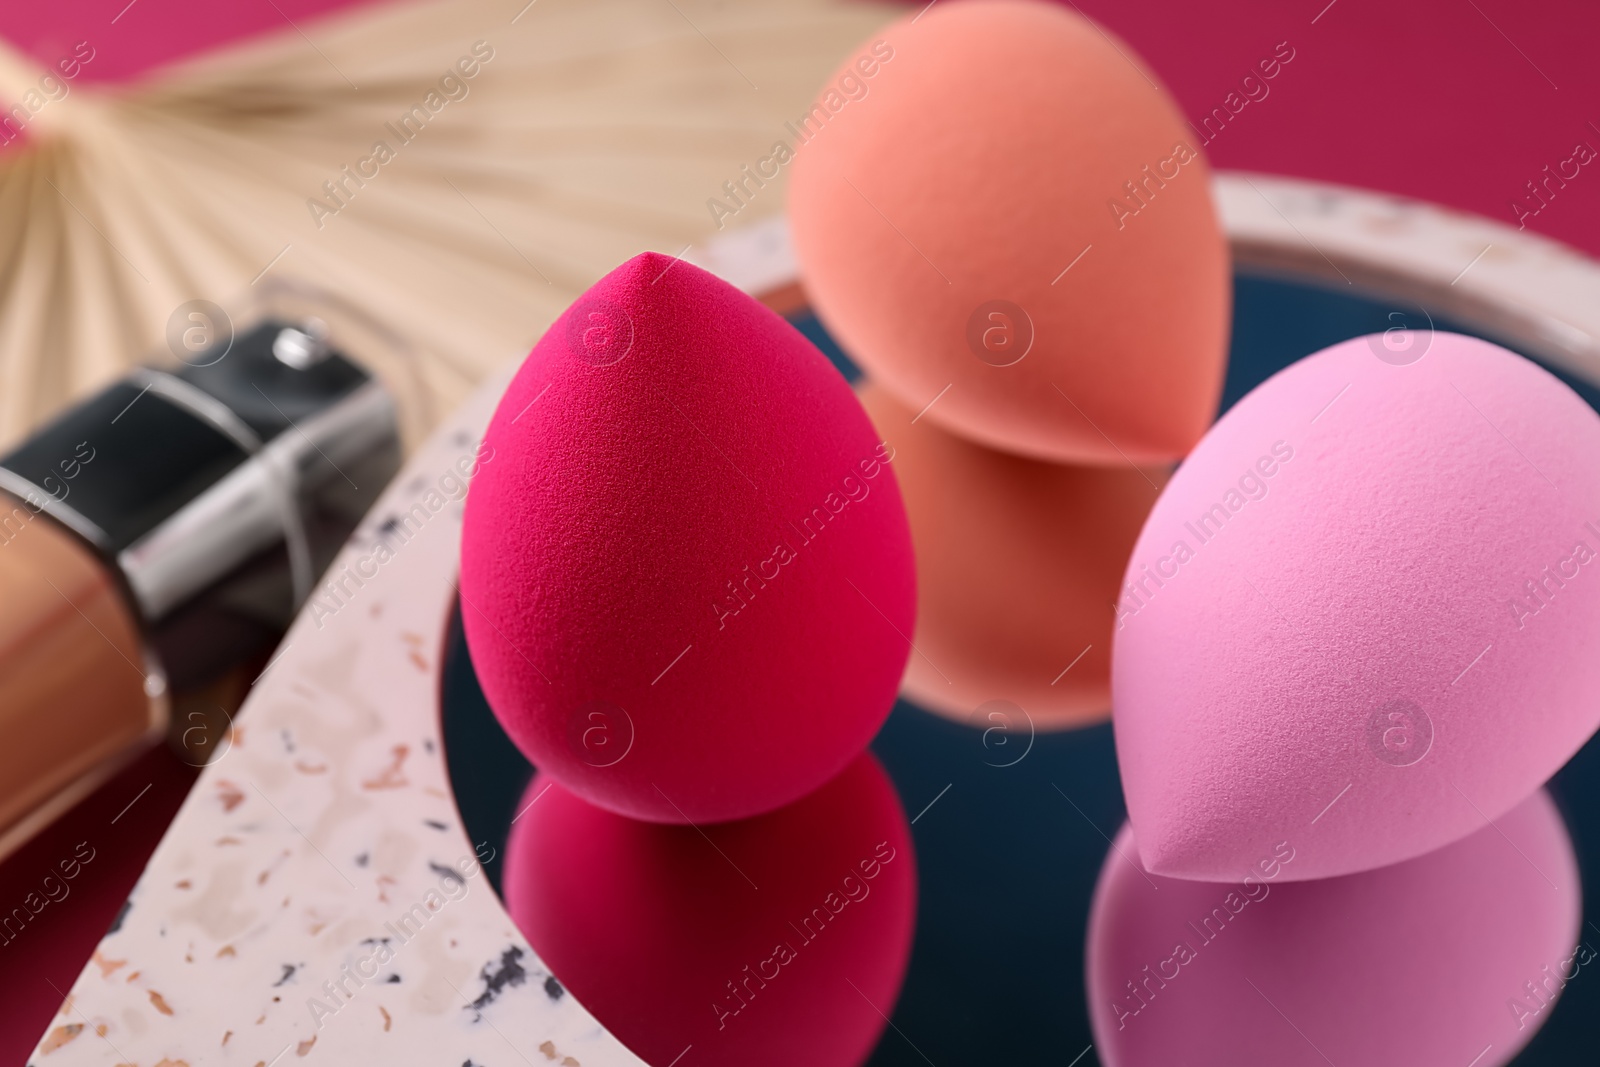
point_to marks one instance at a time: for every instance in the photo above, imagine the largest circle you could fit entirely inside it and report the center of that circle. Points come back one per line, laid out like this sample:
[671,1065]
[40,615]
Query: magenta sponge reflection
[775,940]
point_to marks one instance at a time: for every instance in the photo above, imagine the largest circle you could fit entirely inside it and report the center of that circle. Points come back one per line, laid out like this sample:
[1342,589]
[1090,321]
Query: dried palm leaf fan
[359,157]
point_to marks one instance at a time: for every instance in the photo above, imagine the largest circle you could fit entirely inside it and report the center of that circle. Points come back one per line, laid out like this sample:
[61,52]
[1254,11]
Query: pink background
[147,33]
[1429,99]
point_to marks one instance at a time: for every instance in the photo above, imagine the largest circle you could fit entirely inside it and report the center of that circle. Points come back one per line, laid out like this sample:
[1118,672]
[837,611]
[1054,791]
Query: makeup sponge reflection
[1017,560]
[1455,957]
[776,940]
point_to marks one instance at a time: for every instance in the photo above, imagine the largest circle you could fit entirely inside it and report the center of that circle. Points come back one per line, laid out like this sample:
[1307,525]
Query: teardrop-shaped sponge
[994,203]
[686,575]
[1363,614]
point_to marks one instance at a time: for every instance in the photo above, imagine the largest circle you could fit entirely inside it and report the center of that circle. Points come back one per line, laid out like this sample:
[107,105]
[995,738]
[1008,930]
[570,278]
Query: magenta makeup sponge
[686,574]
[776,940]
[1363,614]
[1453,958]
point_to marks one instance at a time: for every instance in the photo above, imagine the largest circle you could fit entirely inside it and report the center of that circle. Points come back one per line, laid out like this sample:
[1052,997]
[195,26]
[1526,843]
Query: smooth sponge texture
[774,940]
[1455,957]
[686,575]
[1362,616]
[1018,561]
[1008,206]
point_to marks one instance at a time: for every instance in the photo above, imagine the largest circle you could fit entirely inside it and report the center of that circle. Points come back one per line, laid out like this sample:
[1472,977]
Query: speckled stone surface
[317,895]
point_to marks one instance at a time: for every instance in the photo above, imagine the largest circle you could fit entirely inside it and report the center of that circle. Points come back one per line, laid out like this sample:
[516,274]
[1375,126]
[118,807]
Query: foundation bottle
[155,541]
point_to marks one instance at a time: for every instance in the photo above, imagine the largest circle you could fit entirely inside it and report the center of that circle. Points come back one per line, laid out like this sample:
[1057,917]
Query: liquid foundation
[155,541]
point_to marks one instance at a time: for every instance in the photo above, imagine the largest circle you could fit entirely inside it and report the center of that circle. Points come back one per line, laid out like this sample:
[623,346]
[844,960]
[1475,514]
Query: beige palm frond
[591,130]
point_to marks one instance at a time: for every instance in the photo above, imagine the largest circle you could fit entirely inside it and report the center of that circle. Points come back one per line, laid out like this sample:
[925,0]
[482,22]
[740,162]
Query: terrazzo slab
[316,896]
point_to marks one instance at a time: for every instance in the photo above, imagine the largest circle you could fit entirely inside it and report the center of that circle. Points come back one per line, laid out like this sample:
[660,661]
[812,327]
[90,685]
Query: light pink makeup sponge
[1363,614]
[994,204]
[686,573]
[774,941]
[1450,958]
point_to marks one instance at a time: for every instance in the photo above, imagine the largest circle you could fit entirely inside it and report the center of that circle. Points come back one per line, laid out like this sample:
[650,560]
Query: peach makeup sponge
[1362,616]
[775,940]
[993,198]
[1455,957]
[1018,562]
[686,575]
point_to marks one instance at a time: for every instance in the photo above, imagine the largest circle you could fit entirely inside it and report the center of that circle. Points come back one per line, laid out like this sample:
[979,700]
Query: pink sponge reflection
[1457,954]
